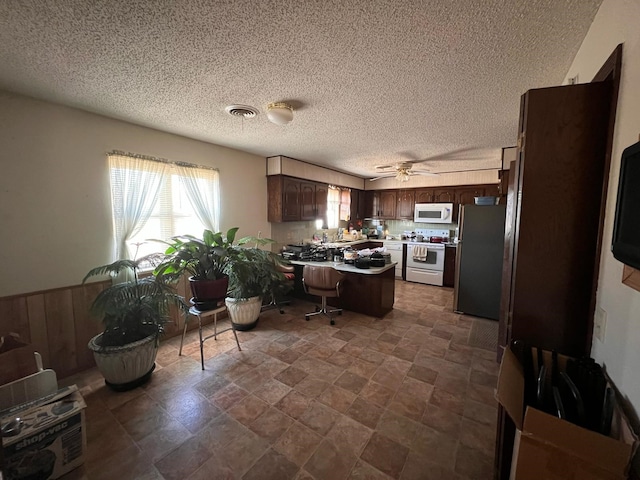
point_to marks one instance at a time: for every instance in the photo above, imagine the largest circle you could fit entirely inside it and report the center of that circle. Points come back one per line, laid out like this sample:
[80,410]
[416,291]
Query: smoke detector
[244,111]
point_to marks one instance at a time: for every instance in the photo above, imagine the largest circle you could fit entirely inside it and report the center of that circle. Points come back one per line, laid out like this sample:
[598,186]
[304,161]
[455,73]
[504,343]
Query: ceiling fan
[404,170]
[401,171]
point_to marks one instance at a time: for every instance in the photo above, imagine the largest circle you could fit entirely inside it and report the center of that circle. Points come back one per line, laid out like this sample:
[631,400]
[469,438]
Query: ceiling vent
[244,111]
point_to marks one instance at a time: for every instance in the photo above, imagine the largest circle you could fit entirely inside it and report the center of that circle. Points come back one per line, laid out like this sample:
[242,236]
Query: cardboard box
[52,440]
[549,448]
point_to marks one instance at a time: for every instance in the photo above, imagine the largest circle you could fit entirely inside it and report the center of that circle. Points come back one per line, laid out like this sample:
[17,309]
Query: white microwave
[433,213]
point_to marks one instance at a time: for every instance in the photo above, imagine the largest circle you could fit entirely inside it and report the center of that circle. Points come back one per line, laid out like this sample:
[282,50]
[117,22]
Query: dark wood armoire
[555,212]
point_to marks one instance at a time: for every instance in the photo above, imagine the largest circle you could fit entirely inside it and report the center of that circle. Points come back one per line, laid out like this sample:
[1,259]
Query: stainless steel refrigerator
[478,281]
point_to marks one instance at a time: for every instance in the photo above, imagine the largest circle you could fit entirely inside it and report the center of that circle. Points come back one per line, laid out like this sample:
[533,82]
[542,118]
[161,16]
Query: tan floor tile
[319,417]
[271,466]
[311,387]
[329,463]
[365,412]
[376,393]
[385,454]
[293,404]
[409,386]
[271,424]
[248,409]
[337,398]
[272,391]
[298,443]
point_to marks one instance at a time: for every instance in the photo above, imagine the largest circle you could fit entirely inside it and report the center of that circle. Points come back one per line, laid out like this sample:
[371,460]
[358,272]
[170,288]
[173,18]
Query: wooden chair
[324,282]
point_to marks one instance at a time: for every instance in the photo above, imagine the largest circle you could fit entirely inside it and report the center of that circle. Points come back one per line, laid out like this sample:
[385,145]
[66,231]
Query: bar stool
[204,314]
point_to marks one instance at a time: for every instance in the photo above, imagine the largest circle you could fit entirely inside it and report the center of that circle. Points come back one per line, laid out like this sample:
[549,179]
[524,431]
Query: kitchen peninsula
[370,291]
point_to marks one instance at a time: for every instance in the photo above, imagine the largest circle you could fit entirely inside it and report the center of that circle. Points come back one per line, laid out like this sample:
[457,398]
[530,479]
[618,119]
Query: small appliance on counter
[377,260]
[350,256]
[295,252]
[363,262]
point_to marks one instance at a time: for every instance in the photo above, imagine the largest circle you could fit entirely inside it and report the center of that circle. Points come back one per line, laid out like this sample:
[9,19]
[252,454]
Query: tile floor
[402,397]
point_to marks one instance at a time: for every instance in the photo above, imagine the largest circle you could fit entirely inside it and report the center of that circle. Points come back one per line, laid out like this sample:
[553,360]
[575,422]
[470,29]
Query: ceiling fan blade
[388,175]
[425,174]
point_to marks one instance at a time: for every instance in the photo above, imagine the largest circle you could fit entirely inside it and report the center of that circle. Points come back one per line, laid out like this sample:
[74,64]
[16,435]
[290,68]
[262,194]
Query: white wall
[617,22]
[55,218]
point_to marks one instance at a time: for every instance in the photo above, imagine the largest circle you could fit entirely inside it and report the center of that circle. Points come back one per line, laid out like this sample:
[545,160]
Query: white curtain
[202,188]
[333,206]
[135,184]
[345,204]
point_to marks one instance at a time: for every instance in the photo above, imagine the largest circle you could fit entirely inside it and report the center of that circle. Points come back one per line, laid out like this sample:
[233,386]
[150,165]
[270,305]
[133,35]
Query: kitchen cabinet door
[424,195]
[321,200]
[406,203]
[371,203]
[444,195]
[290,199]
[466,195]
[492,190]
[387,204]
[307,201]
[449,274]
[550,289]
[357,205]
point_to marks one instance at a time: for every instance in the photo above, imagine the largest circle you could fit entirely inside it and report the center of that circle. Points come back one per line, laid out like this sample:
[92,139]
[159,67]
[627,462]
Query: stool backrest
[325,278]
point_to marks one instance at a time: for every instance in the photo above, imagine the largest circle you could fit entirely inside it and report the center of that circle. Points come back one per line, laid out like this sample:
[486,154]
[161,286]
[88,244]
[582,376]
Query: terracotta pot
[208,294]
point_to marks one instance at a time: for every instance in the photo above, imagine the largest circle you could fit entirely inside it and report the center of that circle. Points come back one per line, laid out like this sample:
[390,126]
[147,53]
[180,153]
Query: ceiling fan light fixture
[402,176]
[280,113]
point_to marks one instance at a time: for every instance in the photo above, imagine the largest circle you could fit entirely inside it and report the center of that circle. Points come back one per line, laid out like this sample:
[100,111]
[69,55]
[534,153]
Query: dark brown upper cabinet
[291,199]
[424,195]
[406,203]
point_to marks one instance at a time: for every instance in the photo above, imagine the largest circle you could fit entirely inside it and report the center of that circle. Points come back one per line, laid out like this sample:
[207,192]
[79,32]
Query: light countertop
[344,267]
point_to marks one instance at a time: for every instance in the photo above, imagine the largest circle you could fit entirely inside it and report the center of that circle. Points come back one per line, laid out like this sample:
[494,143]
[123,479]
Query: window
[338,205]
[156,199]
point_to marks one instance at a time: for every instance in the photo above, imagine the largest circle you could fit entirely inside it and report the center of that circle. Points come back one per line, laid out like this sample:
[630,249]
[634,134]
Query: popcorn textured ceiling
[373,81]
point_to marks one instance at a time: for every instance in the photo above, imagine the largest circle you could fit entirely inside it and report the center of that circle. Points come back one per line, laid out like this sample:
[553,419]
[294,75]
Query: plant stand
[203,314]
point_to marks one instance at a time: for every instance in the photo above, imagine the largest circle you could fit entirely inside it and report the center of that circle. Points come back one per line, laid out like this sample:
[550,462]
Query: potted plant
[252,276]
[205,259]
[134,313]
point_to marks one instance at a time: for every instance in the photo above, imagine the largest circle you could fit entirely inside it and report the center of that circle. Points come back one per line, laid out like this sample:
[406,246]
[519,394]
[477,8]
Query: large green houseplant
[133,313]
[253,276]
[206,260]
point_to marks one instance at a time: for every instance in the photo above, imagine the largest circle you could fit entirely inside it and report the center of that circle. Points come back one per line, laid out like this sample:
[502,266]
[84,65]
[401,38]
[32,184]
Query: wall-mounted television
[626,227]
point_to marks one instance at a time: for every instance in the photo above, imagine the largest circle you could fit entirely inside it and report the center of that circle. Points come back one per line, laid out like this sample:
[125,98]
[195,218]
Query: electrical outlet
[600,323]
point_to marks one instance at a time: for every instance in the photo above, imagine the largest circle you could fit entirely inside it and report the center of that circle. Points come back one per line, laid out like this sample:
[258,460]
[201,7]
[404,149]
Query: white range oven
[425,261]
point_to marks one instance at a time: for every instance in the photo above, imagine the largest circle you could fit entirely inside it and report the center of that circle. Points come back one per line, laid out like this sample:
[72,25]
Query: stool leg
[236,335]
[184,331]
[215,326]
[201,341]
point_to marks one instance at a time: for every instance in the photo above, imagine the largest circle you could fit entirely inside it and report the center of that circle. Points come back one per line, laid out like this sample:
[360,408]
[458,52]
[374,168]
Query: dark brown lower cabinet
[449,276]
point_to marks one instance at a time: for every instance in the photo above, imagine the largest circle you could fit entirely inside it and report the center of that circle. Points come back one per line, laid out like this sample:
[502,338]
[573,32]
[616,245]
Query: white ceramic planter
[244,312]
[126,364]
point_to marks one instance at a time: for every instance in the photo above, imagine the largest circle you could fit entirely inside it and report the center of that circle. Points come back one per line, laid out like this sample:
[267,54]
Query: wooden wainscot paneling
[61,330]
[14,318]
[57,323]
[86,326]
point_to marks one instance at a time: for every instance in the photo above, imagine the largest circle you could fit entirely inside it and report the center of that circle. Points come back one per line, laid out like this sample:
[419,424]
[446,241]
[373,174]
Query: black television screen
[626,228]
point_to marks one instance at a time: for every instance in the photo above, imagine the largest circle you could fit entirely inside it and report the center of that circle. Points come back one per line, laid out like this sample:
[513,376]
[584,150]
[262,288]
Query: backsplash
[396,227]
[296,232]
